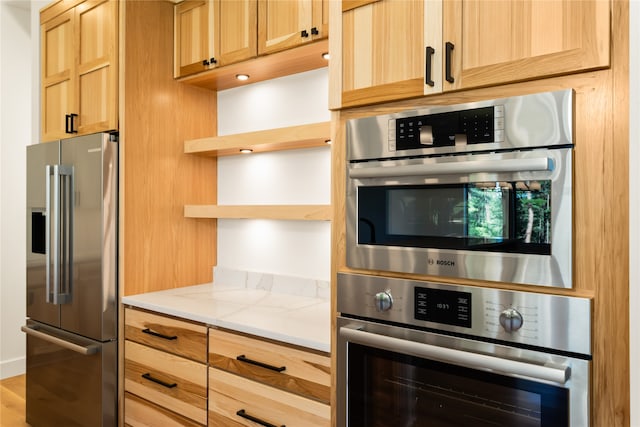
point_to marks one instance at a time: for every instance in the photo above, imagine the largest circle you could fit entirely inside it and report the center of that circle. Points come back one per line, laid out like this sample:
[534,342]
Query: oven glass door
[392,389]
[509,216]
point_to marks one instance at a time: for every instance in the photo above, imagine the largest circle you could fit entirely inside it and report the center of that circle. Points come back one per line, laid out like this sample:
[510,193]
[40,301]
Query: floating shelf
[289,138]
[281,212]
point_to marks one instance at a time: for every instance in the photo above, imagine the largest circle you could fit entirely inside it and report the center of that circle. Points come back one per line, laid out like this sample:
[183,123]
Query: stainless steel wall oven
[480,190]
[414,353]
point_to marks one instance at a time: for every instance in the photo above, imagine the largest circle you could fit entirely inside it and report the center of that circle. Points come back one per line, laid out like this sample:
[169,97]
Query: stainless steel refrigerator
[72,229]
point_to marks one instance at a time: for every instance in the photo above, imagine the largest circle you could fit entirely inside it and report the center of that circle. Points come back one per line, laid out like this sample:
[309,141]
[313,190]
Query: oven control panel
[443,306]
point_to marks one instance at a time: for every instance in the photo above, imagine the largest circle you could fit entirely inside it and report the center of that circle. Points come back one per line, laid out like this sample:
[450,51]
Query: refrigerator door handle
[66,212]
[84,350]
[51,214]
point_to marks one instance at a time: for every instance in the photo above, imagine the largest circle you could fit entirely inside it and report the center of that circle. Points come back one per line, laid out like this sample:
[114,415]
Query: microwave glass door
[513,217]
[388,388]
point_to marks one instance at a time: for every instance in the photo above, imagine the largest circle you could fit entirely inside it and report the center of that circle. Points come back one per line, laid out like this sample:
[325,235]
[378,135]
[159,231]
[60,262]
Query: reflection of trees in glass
[485,213]
[488,204]
[533,211]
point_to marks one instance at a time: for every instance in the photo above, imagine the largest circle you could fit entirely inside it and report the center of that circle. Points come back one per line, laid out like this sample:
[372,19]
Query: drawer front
[175,336]
[305,373]
[237,401]
[170,381]
[141,413]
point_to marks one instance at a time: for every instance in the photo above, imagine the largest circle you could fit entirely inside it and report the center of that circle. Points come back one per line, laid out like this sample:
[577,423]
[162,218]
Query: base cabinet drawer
[166,333]
[141,413]
[170,381]
[237,401]
[292,369]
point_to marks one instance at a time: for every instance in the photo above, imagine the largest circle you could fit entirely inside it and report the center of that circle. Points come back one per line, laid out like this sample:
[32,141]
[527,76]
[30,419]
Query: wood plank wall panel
[161,248]
[600,214]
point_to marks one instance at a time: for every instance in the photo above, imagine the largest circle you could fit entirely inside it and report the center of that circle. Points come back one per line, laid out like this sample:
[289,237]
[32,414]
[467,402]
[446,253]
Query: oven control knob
[511,320]
[383,301]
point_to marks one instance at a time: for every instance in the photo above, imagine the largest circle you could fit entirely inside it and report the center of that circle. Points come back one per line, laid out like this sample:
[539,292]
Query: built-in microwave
[480,190]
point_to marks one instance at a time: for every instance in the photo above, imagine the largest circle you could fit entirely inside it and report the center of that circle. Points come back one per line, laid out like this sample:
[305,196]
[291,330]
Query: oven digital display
[443,306]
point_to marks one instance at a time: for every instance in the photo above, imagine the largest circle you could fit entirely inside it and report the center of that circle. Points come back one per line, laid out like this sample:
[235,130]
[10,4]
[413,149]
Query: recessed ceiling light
[246,150]
[326,55]
[242,77]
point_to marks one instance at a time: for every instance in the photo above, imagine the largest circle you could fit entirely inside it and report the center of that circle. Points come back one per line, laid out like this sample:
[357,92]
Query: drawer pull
[242,413]
[156,334]
[244,359]
[148,376]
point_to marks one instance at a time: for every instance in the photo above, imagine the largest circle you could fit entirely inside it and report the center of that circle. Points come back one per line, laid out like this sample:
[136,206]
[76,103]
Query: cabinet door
[57,79]
[383,51]
[283,24]
[193,42]
[236,29]
[503,41]
[97,51]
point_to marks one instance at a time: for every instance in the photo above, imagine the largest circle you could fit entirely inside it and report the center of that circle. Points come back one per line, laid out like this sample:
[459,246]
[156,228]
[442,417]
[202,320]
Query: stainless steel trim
[355,333]
[84,350]
[454,168]
[56,235]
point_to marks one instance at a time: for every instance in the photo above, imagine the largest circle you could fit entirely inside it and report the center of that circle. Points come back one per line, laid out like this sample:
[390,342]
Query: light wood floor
[12,403]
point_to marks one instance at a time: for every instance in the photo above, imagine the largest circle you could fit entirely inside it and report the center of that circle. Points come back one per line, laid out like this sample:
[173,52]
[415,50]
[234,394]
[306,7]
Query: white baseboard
[12,367]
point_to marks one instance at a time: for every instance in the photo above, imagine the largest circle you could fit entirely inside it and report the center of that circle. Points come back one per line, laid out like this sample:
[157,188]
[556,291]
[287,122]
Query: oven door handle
[355,334]
[455,168]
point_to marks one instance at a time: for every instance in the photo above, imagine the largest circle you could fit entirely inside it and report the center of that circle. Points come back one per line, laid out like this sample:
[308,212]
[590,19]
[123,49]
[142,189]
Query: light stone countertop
[293,319]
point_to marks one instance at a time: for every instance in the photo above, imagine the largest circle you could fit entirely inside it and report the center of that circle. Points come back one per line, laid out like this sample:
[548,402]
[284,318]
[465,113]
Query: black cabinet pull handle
[448,50]
[148,376]
[67,123]
[244,359]
[314,31]
[304,33]
[205,62]
[429,51]
[73,124]
[156,334]
[213,61]
[242,413]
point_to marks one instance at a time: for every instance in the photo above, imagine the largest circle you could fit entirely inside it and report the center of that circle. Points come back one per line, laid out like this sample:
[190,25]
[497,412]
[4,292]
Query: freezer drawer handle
[244,359]
[148,376]
[159,335]
[242,413]
[85,350]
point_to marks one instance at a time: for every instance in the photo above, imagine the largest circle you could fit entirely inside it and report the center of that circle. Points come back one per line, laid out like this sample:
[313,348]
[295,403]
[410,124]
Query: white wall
[15,134]
[634,209]
[294,248]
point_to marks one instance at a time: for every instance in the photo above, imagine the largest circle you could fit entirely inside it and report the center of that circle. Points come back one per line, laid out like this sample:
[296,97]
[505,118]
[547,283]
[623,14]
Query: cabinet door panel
[383,56]
[193,33]
[97,66]
[281,23]
[237,22]
[57,92]
[504,41]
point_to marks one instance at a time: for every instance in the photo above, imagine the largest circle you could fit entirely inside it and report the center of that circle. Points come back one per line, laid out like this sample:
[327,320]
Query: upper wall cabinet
[465,44]
[283,24]
[79,54]
[213,33]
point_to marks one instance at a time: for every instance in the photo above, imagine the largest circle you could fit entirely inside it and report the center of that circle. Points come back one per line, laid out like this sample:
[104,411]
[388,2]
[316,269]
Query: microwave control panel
[473,126]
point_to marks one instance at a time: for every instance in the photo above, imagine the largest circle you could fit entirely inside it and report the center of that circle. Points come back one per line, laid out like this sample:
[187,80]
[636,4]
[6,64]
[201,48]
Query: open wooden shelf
[281,212]
[289,138]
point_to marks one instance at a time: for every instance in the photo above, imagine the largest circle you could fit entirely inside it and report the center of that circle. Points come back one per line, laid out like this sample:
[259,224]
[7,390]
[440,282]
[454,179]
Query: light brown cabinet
[283,24]
[165,371]
[213,33]
[394,49]
[255,379]
[79,63]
